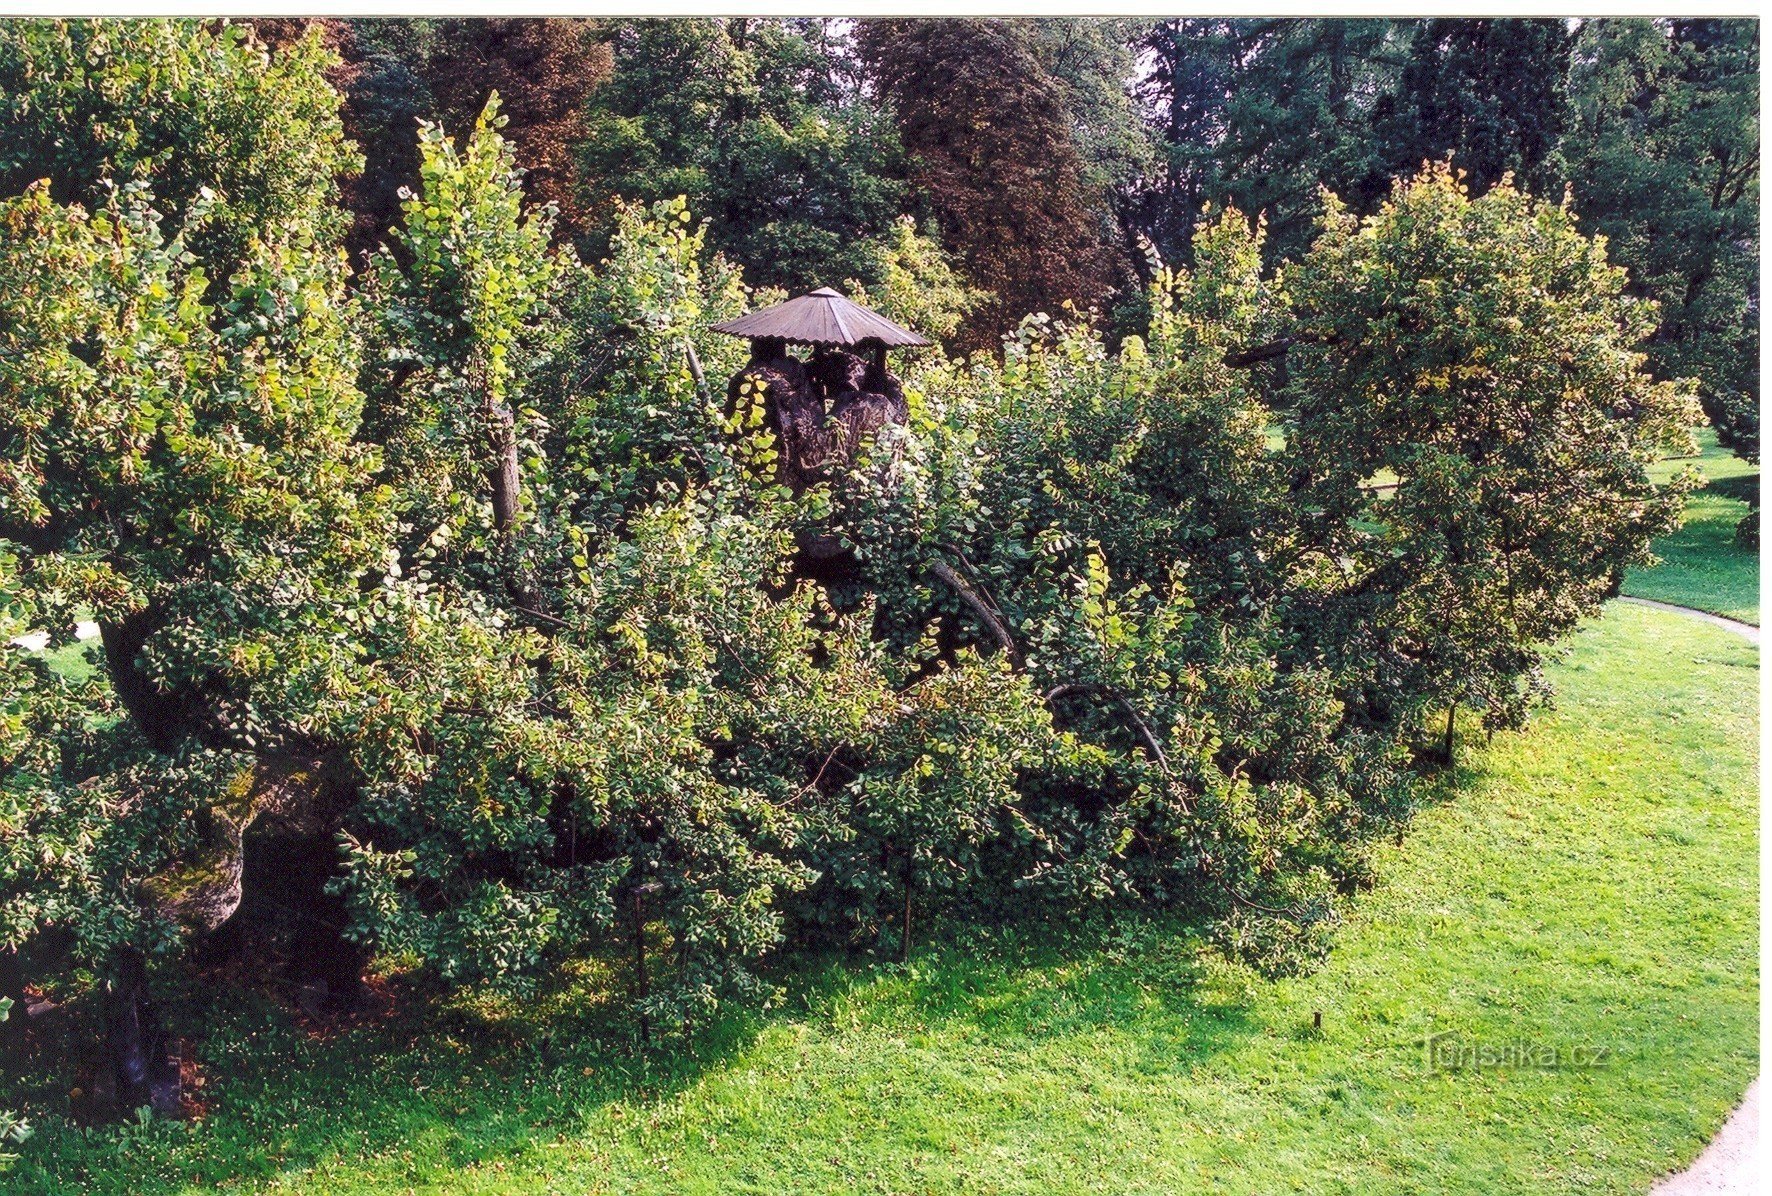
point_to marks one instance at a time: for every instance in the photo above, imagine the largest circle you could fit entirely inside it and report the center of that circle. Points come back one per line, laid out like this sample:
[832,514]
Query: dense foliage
[1653,124]
[1665,145]
[757,123]
[1044,157]
[454,565]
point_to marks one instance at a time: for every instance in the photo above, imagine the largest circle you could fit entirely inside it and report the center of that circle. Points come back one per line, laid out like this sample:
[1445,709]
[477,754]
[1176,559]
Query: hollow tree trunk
[161,716]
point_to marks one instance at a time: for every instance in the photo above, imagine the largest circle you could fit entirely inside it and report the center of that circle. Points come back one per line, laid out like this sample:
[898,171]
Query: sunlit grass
[1701,564]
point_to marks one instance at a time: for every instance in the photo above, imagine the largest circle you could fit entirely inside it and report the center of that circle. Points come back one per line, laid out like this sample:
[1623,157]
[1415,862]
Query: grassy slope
[1593,883]
[1701,565]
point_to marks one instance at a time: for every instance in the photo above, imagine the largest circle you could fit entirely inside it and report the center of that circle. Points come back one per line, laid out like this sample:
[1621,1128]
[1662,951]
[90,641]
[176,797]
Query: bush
[460,565]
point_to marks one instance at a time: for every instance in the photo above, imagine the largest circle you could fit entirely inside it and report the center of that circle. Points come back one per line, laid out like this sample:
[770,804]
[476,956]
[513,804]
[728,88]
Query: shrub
[464,568]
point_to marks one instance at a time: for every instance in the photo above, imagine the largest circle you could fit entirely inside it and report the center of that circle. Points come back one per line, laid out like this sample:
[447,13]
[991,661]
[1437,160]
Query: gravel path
[36,641]
[1730,1165]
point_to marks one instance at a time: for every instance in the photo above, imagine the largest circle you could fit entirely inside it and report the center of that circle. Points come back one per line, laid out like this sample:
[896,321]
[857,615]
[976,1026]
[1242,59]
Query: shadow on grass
[441,1085]
[476,1080]
[1742,488]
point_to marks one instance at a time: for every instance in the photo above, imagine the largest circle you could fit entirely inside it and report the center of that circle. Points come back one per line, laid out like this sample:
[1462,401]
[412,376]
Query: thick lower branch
[1244,358]
[999,633]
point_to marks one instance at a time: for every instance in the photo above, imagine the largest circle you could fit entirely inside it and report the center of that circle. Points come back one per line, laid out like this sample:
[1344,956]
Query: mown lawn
[1701,565]
[1589,885]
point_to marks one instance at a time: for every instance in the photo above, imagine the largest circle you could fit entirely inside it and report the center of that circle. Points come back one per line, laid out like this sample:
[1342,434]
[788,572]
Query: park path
[1746,630]
[1730,1165]
[36,641]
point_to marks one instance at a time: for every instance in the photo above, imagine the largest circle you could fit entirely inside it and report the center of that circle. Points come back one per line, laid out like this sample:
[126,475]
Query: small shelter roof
[822,317]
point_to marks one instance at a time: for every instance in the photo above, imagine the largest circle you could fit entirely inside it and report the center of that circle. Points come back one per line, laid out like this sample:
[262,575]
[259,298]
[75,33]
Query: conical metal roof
[822,317]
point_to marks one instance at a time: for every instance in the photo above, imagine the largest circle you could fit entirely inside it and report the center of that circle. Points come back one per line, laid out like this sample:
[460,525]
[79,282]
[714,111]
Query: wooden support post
[640,967]
[904,945]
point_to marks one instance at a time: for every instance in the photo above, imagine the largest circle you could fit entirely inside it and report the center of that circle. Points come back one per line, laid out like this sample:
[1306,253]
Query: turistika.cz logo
[1445,1051]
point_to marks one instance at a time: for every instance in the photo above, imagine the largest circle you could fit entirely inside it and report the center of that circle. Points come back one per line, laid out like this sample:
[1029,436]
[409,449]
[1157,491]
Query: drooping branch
[1247,357]
[543,617]
[1147,738]
[1244,358]
[695,370]
[1142,729]
[999,633]
[1291,914]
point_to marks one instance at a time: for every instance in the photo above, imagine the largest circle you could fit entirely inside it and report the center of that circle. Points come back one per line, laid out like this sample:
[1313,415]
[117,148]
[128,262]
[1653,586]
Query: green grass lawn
[1701,565]
[1591,884]
[73,661]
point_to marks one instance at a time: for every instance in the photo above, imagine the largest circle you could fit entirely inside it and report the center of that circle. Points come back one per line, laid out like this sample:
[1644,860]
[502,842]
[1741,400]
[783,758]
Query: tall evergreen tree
[1488,92]
[1261,115]
[1095,59]
[994,161]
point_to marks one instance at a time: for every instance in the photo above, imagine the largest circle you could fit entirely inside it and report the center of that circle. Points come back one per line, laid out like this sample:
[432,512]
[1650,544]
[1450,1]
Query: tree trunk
[1451,734]
[503,474]
[904,945]
[163,717]
[140,1067]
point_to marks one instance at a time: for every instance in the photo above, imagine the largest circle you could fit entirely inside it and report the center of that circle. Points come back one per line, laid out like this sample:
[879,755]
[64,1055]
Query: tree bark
[503,474]
[1244,358]
[904,944]
[999,633]
[160,715]
[640,967]
[141,1069]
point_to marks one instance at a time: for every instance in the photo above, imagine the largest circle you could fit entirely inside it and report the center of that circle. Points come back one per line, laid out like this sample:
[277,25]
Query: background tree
[1664,148]
[758,123]
[1488,92]
[543,70]
[995,163]
[395,73]
[1095,59]
[1654,123]
[1261,115]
